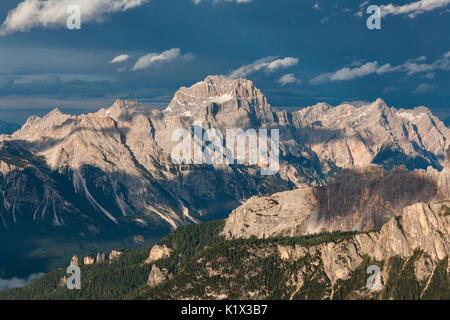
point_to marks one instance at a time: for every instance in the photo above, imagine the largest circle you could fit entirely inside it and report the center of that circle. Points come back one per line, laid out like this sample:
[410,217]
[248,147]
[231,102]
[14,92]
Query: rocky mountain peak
[54,113]
[229,95]
[125,104]
[214,86]
[380,105]
[36,127]
[380,102]
[122,110]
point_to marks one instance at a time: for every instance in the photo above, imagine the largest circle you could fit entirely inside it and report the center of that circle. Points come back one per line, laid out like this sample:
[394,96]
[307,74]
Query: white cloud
[414,8]
[268,64]
[288,78]
[425,87]
[53,13]
[410,67]
[120,58]
[316,6]
[414,66]
[244,71]
[154,58]
[282,63]
[358,72]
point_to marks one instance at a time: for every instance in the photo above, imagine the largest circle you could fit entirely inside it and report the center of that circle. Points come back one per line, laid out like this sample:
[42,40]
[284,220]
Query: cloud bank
[53,13]
[410,67]
[414,8]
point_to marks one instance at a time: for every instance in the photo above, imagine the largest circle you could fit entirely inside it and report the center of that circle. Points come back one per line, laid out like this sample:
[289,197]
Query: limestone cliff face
[115,254]
[358,199]
[422,226]
[222,103]
[350,135]
[74,261]
[410,253]
[156,276]
[158,252]
[88,260]
[117,161]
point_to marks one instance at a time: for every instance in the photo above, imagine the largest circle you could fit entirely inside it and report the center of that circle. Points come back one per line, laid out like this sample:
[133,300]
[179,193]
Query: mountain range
[104,180]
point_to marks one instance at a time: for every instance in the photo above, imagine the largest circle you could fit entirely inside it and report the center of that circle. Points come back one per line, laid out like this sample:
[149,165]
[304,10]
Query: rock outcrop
[88,260]
[358,199]
[406,259]
[156,276]
[74,261]
[423,226]
[115,254]
[101,257]
[158,252]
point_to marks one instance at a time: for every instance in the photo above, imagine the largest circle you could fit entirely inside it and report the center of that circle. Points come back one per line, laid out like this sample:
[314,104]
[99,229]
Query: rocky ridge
[411,251]
[115,165]
[423,226]
[358,199]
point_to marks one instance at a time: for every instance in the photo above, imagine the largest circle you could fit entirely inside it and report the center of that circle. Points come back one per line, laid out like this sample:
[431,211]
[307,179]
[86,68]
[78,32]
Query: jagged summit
[54,112]
[238,95]
[216,86]
[126,104]
[123,110]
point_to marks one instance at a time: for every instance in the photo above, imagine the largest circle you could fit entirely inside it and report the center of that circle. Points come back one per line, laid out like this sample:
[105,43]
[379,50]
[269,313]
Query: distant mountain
[108,176]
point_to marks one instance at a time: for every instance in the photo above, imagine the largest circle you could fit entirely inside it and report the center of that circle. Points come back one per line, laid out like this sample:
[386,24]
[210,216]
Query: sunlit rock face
[422,226]
[358,199]
[114,166]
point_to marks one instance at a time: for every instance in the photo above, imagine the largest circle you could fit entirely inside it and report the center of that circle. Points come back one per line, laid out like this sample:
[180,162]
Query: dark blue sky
[406,62]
